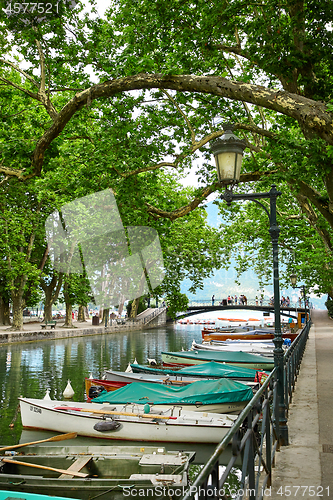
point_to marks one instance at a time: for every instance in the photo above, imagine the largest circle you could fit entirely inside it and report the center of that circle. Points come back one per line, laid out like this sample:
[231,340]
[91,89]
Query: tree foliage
[131,101]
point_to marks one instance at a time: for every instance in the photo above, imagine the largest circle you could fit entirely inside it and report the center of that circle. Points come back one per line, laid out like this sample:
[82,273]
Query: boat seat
[76,466]
[160,478]
[162,459]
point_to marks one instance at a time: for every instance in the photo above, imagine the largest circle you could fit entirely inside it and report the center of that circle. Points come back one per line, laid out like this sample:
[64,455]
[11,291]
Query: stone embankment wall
[35,332]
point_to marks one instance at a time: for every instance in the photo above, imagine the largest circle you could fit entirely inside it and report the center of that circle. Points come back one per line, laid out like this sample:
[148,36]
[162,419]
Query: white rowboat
[125,422]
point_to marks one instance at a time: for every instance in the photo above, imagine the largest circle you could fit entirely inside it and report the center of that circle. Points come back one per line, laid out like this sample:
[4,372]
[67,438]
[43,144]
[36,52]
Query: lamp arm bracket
[229,196]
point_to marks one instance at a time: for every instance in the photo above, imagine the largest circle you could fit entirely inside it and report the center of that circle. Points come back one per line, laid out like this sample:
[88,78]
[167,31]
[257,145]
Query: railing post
[274,231]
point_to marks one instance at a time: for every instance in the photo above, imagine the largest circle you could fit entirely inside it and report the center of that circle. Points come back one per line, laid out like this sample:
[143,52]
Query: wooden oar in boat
[112,412]
[60,437]
[28,464]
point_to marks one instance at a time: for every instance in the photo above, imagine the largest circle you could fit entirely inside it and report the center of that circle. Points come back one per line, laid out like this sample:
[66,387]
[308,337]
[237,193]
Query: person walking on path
[213,299]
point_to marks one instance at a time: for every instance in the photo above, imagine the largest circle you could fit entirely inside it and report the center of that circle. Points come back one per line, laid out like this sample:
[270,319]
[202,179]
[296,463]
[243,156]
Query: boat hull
[173,426]
[263,350]
[207,336]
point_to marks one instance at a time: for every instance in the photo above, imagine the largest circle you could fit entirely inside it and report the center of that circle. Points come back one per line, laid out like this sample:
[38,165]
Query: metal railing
[253,438]
[292,362]
[249,302]
[153,315]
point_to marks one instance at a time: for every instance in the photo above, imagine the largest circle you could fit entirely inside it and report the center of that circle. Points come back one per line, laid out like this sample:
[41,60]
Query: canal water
[30,369]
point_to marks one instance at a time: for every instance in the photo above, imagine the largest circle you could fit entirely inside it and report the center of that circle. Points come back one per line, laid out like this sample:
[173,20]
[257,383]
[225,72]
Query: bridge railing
[253,439]
[252,302]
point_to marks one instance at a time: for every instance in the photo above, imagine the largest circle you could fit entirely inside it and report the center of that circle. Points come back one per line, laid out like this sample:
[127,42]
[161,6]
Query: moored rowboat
[125,422]
[243,359]
[211,369]
[6,495]
[261,349]
[213,396]
[108,471]
[251,335]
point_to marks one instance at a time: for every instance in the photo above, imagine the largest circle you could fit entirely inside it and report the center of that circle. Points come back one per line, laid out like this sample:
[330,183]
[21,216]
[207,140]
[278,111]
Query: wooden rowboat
[251,335]
[85,472]
[125,422]
[195,357]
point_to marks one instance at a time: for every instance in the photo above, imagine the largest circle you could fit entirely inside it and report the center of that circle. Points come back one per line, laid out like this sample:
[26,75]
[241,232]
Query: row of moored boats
[195,396]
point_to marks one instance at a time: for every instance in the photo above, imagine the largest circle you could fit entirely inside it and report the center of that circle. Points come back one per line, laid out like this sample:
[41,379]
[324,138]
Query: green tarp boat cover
[203,391]
[222,357]
[210,369]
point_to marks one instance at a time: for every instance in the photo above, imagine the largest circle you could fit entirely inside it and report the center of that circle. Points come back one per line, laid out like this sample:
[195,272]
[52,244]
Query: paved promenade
[308,460]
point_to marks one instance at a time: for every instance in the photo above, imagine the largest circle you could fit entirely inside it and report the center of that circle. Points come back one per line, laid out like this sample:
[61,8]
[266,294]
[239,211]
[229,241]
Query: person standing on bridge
[213,299]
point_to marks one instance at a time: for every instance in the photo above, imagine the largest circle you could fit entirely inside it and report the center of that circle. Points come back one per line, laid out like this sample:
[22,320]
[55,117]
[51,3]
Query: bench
[52,324]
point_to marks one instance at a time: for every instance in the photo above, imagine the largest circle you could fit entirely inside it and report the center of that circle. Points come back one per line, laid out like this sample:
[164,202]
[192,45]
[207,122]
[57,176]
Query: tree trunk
[69,307]
[106,317]
[81,314]
[48,305]
[121,307]
[4,311]
[51,291]
[69,319]
[18,306]
[134,308]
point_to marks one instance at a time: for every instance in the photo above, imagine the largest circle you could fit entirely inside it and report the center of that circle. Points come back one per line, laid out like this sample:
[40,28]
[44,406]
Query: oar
[111,412]
[60,437]
[28,464]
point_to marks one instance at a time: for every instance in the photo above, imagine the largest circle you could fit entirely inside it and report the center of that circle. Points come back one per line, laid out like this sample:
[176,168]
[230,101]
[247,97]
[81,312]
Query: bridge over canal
[197,307]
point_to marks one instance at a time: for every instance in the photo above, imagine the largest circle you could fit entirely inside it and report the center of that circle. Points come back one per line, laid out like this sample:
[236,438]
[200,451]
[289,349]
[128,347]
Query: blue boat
[20,495]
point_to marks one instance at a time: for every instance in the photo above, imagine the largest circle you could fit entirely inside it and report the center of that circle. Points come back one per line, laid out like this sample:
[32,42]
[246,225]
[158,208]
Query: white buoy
[91,376]
[129,368]
[47,395]
[68,392]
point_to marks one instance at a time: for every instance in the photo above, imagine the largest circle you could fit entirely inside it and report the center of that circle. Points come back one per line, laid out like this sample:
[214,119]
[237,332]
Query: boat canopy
[201,391]
[208,370]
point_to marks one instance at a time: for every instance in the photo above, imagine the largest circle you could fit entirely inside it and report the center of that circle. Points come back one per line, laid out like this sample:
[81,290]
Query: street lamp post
[228,152]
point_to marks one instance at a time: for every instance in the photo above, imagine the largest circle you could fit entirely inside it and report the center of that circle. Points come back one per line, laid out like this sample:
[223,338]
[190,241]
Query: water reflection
[30,369]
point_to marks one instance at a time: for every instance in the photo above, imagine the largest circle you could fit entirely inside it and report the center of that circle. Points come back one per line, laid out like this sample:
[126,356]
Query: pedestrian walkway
[304,469]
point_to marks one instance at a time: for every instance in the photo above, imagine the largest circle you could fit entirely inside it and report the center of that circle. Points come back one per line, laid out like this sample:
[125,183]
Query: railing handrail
[205,471]
[262,455]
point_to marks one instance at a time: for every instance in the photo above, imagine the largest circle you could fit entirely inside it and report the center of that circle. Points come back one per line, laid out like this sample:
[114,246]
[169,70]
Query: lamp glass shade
[228,153]
[228,166]
[293,279]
